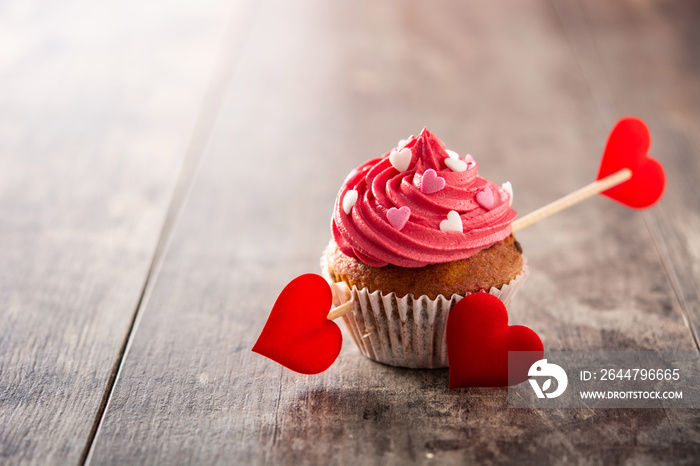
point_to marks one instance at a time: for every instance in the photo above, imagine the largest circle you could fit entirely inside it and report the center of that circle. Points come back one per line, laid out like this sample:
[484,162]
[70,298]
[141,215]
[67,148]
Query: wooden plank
[641,59]
[99,103]
[322,87]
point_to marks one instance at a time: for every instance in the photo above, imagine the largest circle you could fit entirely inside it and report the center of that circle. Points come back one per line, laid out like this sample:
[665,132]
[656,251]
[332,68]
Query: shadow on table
[411,415]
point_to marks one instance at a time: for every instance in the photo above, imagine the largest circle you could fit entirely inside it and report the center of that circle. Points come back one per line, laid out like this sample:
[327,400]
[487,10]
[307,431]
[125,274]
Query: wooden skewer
[340,310]
[570,199]
[543,212]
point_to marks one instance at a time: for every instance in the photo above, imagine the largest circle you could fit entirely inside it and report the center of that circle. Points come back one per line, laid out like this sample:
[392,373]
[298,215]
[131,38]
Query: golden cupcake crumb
[492,267]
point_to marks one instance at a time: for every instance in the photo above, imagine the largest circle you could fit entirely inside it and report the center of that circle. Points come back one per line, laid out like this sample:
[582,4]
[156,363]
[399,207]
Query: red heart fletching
[297,333]
[628,147]
[479,340]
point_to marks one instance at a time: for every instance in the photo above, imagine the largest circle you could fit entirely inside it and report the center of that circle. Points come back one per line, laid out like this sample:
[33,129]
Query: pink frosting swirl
[372,234]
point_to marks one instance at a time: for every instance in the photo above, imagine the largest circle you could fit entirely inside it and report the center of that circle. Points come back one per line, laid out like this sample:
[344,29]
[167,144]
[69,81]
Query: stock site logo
[542,368]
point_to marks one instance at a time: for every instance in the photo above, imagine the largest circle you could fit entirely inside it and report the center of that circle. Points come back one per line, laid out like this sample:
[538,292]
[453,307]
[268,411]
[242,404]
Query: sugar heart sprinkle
[431,183]
[485,198]
[453,222]
[456,165]
[398,217]
[470,161]
[507,187]
[349,200]
[400,159]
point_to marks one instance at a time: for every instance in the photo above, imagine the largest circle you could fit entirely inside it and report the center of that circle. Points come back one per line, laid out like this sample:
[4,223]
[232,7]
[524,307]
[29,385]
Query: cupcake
[414,231]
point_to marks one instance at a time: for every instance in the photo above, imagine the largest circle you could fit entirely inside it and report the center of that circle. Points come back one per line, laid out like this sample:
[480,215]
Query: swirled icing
[363,230]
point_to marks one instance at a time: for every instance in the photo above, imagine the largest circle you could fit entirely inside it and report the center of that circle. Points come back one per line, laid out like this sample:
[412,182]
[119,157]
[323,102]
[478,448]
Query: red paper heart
[479,339]
[297,333]
[628,147]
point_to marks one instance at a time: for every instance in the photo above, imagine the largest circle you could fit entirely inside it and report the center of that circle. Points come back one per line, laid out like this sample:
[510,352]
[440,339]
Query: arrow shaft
[577,196]
[543,212]
[340,310]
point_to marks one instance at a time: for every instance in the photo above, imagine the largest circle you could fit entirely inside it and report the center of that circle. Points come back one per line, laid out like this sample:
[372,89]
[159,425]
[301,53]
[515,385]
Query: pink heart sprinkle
[469,159]
[431,183]
[485,198]
[398,217]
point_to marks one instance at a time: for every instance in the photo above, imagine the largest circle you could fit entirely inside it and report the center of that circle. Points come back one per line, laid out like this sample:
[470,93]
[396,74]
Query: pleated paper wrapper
[408,331]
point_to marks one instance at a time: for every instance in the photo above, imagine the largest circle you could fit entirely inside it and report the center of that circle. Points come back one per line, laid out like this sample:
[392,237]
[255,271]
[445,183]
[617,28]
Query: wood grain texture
[320,88]
[98,105]
[657,80]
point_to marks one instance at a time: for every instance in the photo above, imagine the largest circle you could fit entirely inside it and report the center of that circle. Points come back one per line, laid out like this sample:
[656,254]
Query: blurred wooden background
[167,167]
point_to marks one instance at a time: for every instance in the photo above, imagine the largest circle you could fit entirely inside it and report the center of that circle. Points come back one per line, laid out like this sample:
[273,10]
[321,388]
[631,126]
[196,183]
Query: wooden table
[166,169]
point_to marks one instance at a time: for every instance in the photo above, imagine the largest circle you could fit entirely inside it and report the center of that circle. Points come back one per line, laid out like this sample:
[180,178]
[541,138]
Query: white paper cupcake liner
[407,331]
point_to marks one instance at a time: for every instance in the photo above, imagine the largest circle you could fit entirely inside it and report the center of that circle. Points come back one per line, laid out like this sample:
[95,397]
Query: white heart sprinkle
[452,154]
[507,187]
[349,200]
[453,222]
[400,159]
[456,165]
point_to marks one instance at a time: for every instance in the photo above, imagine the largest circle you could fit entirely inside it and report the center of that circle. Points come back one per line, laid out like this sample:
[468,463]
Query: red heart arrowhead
[297,333]
[628,147]
[479,339]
